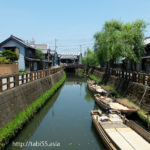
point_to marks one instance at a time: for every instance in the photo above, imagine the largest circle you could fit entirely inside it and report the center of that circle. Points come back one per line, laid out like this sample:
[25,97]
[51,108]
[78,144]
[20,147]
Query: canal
[64,123]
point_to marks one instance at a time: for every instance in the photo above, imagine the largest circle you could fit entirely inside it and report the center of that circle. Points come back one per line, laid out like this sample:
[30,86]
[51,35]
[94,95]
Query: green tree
[133,47]
[10,55]
[107,42]
[118,40]
[39,54]
[89,59]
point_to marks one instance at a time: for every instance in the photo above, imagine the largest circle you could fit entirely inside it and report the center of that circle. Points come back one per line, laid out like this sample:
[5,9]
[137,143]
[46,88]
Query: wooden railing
[132,76]
[10,81]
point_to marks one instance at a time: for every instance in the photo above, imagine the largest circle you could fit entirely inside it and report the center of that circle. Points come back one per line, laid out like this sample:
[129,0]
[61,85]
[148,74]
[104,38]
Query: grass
[141,113]
[94,78]
[117,95]
[10,130]
[106,86]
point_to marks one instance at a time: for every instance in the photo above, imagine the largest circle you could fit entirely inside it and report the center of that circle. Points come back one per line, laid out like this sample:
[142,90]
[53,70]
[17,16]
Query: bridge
[72,67]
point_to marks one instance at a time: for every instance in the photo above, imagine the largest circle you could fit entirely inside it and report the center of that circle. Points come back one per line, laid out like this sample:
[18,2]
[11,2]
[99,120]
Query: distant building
[54,57]
[50,56]
[70,58]
[47,62]
[145,65]
[27,54]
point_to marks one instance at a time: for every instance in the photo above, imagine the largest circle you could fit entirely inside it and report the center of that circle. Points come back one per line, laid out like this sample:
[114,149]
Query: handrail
[133,76]
[11,81]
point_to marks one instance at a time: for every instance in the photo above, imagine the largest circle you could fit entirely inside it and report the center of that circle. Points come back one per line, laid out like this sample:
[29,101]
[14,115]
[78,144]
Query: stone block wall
[132,90]
[17,99]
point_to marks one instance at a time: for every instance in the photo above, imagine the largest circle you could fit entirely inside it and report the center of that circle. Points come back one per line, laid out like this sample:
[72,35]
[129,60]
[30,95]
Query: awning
[32,59]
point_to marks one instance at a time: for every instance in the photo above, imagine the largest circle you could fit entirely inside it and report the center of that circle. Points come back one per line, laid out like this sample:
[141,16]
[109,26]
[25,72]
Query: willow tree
[107,42]
[90,58]
[118,40]
[133,47]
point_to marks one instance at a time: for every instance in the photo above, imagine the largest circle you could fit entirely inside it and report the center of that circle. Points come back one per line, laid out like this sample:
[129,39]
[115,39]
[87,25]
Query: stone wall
[132,90]
[17,99]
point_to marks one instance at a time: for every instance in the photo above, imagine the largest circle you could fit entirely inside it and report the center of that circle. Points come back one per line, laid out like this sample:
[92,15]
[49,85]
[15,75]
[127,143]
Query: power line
[73,45]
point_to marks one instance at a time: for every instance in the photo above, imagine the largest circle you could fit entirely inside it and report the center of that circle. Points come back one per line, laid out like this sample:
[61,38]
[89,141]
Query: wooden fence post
[122,74]
[31,76]
[27,78]
[22,78]
[144,78]
[1,84]
[8,83]
[129,76]
[16,80]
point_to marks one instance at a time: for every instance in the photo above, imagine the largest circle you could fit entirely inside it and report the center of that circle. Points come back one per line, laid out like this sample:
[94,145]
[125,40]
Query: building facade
[27,54]
[71,58]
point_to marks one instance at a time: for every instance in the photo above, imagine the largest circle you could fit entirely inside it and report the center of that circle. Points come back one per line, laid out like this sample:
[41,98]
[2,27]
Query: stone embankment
[136,92]
[19,98]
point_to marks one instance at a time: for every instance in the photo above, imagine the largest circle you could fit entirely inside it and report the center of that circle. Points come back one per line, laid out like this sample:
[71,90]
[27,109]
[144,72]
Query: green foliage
[39,54]
[142,117]
[117,95]
[118,40]
[89,59]
[133,40]
[10,130]
[23,71]
[94,78]
[107,42]
[10,55]
[3,59]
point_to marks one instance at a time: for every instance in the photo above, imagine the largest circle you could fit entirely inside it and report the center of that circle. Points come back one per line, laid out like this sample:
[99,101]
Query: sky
[70,22]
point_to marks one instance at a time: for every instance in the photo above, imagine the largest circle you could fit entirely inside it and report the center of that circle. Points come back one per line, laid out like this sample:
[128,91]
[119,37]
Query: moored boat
[107,103]
[95,88]
[118,133]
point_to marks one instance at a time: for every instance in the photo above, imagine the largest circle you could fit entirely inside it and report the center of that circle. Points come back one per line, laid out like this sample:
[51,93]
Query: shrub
[3,59]
[10,55]
[39,54]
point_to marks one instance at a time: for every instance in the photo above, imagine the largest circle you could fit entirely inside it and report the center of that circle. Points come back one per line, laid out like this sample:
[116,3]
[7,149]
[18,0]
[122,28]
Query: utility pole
[55,44]
[80,48]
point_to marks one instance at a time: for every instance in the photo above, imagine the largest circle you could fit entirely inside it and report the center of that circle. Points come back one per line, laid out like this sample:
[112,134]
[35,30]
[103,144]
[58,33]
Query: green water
[65,120]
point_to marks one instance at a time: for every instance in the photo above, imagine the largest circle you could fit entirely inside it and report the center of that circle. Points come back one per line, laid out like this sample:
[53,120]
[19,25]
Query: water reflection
[32,126]
[66,120]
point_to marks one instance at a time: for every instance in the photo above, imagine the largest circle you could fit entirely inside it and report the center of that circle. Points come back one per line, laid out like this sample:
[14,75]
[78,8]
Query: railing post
[16,80]
[40,74]
[22,78]
[148,80]
[129,76]
[1,84]
[126,76]
[8,83]
[31,76]
[45,73]
[122,74]
[144,78]
[27,78]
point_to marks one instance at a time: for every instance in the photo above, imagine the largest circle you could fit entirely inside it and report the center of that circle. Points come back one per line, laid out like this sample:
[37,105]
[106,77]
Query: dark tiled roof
[23,43]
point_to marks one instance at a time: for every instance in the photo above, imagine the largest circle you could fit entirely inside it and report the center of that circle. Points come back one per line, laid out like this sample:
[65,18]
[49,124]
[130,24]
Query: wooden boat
[107,103]
[95,88]
[118,133]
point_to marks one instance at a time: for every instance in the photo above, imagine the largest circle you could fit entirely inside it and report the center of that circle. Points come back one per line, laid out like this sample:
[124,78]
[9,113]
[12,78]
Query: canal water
[64,123]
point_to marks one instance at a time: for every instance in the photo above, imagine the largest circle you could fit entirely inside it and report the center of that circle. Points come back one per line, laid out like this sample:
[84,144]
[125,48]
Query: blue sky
[71,22]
